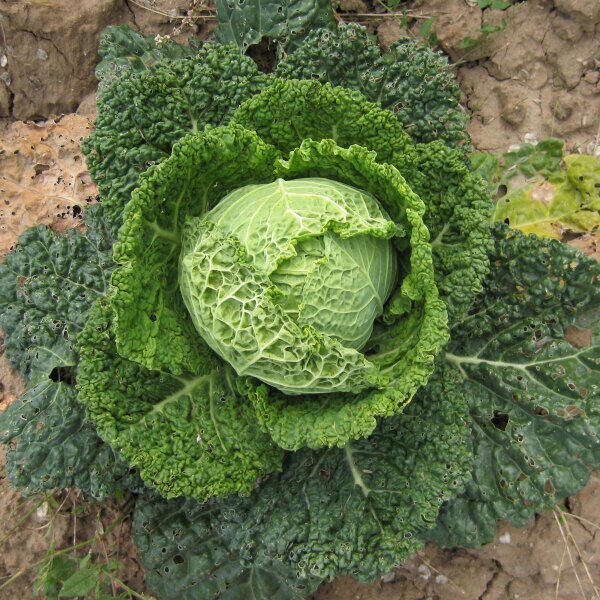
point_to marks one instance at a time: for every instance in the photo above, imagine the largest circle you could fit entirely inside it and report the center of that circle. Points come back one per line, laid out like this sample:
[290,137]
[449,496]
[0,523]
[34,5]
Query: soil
[537,76]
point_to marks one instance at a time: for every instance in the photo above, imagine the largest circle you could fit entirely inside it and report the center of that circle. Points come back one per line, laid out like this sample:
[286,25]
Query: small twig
[381,15]
[23,519]
[83,544]
[162,13]
[580,518]
[566,541]
[560,567]
[583,562]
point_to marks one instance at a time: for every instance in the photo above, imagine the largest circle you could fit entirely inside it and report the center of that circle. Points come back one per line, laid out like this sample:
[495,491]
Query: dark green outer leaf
[413,81]
[51,445]
[534,397]
[124,51]
[141,115]
[190,554]
[247,22]
[359,510]
[362,509]
[47,285]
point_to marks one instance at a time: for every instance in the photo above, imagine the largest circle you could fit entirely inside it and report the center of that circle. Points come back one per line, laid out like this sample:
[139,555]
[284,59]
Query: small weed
[64,572]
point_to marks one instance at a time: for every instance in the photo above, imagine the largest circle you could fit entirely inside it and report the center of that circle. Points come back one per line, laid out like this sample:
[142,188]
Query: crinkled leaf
[52,445]
[526,160]
[534,397]
[403,349]
[457,205]
[413,81]
[152,324]
[359,510]
[542,191]
[124,51]
[567,200]
[142,115]
[188,435]
[47,285]
[252,332]
[248,22]
[362,509]
[189,553]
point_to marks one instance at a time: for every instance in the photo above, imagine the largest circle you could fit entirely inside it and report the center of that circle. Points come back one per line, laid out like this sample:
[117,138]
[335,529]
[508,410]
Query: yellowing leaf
[550,204]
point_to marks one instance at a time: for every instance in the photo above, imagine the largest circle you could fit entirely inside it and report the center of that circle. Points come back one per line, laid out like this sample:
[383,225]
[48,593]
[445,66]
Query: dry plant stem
[50,522]
[113,584]
[23,519]
[62,551]
[560,568]
[579,518]
[583,562]
[166,14]
[569,536]
[352,15]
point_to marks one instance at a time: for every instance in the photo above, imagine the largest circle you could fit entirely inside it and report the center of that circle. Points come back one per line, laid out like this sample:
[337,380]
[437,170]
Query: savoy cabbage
[292,318]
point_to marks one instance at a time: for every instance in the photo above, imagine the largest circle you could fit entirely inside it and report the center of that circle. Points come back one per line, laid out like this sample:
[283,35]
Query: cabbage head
[283,281]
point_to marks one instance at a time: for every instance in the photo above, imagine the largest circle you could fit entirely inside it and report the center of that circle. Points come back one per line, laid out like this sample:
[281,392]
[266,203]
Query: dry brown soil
[538,76]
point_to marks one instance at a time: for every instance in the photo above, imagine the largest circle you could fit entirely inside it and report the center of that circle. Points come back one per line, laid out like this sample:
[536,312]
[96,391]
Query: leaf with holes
[534,395]
[47,286]
[189,551]
[248,22]
[542,191]
[51,445]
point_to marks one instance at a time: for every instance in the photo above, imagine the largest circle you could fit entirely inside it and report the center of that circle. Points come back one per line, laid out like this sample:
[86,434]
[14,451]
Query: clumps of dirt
[540,74]
[44,178]
[537,76]
[49,48]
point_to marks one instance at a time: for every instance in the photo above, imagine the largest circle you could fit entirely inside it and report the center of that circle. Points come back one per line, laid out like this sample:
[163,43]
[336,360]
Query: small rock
[389,577]
[592,77]
[353,6]
[512,110]
[424,571]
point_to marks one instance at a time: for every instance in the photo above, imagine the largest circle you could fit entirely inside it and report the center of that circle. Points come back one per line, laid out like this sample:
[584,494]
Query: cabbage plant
[295,283]
[290,328]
